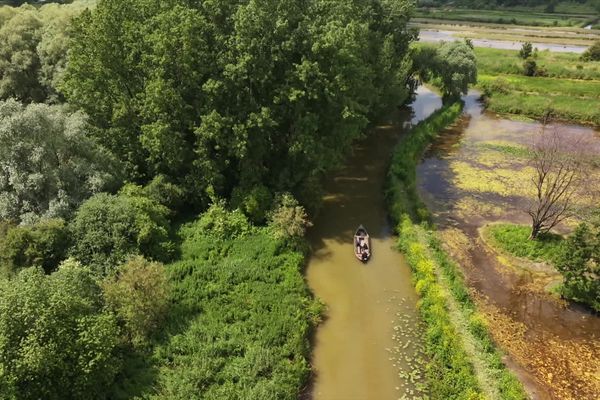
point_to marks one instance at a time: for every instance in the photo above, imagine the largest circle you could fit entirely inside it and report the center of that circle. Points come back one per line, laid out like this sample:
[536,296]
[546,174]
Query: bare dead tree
[559,163]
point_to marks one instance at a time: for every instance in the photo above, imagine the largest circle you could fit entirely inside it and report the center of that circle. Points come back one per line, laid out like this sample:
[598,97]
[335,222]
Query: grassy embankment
[240,319]
[570,89]
[464,362]
[514,240]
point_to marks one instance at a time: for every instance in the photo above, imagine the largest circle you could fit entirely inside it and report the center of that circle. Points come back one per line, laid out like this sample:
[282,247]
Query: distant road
[426,35]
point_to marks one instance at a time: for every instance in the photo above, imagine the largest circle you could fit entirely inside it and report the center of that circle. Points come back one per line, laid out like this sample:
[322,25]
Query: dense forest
[156,160]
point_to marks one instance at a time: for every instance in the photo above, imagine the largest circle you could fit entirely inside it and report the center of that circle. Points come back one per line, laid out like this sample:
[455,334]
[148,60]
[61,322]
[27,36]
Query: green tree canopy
[33,49]
[56,341]
[231,94]
[48,162]
[452,64]
[107,229]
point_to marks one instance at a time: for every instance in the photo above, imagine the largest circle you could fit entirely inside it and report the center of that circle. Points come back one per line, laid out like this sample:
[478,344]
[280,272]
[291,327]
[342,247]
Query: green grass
[510,150]
[239,324]
[513,17]
[563,107]
[544,86]
[514,240]
[464,362]
[556,65]
[563,92]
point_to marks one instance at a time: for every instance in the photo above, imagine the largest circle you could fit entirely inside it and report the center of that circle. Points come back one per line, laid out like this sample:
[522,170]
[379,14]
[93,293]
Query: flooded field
[475,174]
[368,347]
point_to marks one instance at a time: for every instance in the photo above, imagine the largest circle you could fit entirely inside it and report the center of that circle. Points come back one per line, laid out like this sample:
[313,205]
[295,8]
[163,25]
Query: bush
[288,220]
[592,53]
[44,244]
[579,264]
[107,229]
[56,341]
[138,294]
[529,67]
[165,193]
[526,50]
[254,203]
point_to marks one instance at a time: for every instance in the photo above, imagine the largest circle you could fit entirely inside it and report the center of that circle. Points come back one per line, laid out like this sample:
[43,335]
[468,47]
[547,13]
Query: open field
[508,17]
[555,65]
[512,33]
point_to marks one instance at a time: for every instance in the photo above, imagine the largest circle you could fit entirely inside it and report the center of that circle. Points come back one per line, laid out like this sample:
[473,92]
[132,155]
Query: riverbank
[463,361]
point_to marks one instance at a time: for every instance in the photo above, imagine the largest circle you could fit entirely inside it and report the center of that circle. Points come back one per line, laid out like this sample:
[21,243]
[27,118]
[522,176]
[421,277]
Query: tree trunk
[535,231]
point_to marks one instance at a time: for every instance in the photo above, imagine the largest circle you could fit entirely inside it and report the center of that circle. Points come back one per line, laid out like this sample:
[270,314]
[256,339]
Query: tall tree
[559,165]
[227,95]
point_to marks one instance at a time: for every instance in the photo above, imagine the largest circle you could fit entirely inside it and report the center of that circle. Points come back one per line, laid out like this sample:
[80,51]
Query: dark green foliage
[43,244]
[240,319]
[526,50]
[239,95]
[56,342]
[514,239]
[107,229]
[530,67]
[401,193]
[592,53]
[580,265]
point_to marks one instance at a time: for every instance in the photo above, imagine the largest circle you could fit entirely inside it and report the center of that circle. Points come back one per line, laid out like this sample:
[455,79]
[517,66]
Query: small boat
[362,244]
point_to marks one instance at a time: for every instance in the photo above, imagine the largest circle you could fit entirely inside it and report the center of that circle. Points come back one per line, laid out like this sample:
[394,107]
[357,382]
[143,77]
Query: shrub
[288,220]
[592,53]
[165,193]
[530,67]
[43,244]
[579,264]
[56,341]
[254,203]
[138,294]
[107,229]
[526,50]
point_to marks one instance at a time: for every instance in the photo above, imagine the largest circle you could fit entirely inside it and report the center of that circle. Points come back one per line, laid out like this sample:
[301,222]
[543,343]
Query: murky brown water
[366,346]
[560,346]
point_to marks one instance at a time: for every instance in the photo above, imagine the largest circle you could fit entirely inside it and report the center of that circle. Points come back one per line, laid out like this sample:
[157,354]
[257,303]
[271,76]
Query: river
[369,344]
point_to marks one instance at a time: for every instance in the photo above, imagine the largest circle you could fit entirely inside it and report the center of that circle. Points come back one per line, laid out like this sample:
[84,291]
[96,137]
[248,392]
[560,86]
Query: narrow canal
[368,345]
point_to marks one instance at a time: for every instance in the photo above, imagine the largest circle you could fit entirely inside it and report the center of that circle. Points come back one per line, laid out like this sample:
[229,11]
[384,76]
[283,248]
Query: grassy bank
[464,362]
[514,240]
[227,337]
